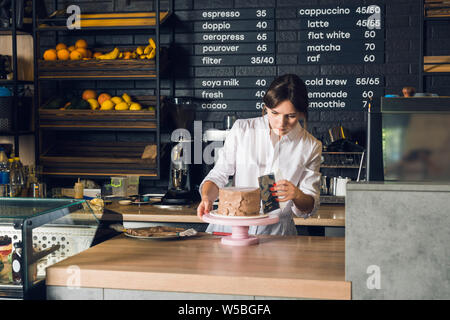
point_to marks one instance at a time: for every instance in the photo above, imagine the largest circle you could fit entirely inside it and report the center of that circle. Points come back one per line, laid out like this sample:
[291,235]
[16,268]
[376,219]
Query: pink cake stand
[239,228]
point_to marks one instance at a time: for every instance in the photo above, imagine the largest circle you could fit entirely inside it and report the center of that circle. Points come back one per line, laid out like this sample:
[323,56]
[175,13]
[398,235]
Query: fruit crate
[102,119]
[102,69]
[91,158]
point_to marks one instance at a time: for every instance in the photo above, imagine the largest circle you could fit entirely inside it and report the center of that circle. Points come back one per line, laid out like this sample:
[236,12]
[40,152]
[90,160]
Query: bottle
[4,173]
[16,178]
[78,190]
[11,173]
[16,263]
[23,177]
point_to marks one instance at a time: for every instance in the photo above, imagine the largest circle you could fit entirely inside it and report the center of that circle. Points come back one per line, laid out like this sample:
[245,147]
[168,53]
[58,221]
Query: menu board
[341,35]
[223,39]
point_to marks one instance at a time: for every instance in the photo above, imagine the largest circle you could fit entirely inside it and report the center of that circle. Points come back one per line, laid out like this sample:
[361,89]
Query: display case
[36,233]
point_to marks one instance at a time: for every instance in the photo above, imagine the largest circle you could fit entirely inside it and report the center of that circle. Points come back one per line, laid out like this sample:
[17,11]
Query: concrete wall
[397,241]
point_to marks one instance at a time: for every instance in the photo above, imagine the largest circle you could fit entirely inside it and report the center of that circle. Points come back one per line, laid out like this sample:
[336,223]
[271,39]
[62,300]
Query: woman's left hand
[285,189]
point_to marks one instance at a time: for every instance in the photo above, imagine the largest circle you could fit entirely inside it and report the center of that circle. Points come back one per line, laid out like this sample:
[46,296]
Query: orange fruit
[63,54]
[96,54]
[103,97]
[81,43]
[83,52]
[71,48]
[60,46]
[75,55]
[89,54]
[89,94]
[50,54]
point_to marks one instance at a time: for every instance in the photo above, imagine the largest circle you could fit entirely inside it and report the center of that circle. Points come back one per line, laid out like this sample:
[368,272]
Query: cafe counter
[327,215]
[201,267]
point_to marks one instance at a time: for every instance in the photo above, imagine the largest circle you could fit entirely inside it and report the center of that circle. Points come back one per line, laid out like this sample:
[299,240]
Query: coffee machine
[180,190]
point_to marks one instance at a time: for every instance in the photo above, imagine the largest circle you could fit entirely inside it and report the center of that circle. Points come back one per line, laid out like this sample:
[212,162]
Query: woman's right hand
[204,207]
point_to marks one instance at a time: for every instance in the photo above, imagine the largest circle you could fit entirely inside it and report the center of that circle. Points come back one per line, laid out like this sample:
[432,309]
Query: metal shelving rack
[156,27]
[424,21]
[13,31]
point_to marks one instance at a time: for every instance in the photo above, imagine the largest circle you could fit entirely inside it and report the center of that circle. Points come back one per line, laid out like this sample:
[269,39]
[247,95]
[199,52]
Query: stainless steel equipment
[180,191]
[323,185]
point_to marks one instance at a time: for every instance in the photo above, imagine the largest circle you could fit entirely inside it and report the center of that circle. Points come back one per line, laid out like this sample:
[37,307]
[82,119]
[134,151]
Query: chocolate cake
[234,201]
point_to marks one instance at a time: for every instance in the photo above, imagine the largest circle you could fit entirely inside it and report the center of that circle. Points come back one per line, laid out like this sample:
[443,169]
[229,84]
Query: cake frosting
[235,201]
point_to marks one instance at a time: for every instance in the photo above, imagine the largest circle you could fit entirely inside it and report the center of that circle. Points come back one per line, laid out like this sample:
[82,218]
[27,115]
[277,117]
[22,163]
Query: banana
[148,49]
[152,54]
[121,55]
[140,50]
[152,43]
[110,55]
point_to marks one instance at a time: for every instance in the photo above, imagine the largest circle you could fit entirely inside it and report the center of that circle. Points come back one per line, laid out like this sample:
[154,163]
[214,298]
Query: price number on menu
[262,60]
[259,105]
[368,10]
[369,23]
[367,81]
[261,24]
[369,58]
[370,46]
[261,13]
[260,94]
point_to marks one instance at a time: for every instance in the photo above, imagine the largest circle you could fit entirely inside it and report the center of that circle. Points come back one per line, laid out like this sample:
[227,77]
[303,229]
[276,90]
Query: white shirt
[249,152]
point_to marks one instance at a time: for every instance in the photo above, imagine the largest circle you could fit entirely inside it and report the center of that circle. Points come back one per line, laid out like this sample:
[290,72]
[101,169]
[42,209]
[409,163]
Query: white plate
[216,215]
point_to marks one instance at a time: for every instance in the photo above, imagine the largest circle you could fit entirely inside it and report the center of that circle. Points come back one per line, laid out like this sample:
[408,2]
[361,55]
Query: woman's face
[283,117]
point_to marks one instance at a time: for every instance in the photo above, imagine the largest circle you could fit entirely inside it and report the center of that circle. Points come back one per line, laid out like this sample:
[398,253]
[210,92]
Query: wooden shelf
[147,174]
[97,159]
[101,119]
[107,21]
[437,8]
[101,69]
[436,64]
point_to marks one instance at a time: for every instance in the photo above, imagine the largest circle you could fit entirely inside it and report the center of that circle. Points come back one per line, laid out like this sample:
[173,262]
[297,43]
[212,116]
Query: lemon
[94,104]
[116,100]
[135,106]
[107,105]
[126,98]
[121,106]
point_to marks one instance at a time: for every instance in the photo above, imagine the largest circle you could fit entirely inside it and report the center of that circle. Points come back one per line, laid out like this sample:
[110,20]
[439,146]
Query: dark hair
[288,87]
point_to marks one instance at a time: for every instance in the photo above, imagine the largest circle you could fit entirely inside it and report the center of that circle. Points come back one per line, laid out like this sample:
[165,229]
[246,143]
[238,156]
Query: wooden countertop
[295,266]
[326,215]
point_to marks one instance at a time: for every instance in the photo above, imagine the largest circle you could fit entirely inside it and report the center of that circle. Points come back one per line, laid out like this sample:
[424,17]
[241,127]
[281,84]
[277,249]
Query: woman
[275,142]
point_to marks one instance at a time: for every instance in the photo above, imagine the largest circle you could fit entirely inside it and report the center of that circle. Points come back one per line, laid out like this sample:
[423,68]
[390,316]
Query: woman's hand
[210,191]
[286,190]
[204,207]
